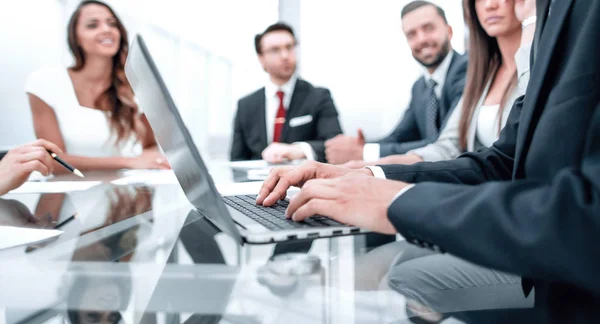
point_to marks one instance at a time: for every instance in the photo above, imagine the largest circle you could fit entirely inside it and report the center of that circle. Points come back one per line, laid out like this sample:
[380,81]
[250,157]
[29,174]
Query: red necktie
[279,118]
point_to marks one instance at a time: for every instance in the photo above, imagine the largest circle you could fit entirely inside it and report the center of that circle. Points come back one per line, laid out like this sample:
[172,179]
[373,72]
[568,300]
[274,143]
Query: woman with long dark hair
[89,109]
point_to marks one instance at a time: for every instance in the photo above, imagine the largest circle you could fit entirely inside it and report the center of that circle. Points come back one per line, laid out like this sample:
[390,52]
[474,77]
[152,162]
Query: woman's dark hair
[118,100]
[484,60]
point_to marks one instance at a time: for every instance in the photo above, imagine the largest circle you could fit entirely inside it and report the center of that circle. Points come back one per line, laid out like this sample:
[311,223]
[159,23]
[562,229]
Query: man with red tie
[288,119]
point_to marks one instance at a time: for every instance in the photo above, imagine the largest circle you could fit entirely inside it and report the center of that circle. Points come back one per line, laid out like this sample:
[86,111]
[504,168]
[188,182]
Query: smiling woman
[89,109]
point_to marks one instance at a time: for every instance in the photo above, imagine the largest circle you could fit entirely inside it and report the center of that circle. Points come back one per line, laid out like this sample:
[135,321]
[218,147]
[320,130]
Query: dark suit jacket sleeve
[328,124]
[404,138]
[239,150]
[535,228]
[492,164]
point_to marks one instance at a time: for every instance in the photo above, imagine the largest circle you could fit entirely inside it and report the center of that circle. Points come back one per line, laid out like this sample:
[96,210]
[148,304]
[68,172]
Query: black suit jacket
[530,204]
[250,132]
[413,130]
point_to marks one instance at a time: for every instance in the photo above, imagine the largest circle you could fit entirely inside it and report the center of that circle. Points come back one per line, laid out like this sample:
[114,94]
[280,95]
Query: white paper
[246,188]
[15,236]
[258,174]
[149,177]
[55,186]
[256,164]
[259,164]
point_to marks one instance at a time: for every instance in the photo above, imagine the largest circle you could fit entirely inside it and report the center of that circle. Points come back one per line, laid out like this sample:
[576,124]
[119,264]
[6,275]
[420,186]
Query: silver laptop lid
[174,139]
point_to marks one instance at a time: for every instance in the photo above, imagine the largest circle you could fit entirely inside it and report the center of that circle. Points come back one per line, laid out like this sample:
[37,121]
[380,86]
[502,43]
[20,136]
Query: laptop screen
[174,139]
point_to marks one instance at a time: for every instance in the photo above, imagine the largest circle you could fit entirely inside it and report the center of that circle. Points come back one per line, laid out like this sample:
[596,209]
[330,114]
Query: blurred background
[205,51]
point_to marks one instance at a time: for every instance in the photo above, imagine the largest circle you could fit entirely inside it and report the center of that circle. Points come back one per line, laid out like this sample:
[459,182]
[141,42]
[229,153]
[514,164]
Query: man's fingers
[314,207]
[313,189]
[294,177]
[270,183]
[280,190]
[361,136]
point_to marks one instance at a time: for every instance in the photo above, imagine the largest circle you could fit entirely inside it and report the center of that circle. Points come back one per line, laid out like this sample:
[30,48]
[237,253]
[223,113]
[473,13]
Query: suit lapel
[445,100]
[548,40]
[262,112]
[298,97]
[542,8]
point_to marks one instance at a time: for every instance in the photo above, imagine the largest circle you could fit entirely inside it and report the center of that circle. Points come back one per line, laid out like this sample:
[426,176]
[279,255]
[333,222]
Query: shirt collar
[287,88]
[439,75]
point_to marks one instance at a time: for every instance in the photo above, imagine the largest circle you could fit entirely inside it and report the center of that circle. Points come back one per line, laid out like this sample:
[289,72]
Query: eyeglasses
[274,51]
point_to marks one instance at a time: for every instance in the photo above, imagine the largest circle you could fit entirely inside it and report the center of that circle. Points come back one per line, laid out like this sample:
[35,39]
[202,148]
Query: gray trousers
[447,284]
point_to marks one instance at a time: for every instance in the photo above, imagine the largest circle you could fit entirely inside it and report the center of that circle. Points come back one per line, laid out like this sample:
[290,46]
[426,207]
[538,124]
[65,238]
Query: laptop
[238,216]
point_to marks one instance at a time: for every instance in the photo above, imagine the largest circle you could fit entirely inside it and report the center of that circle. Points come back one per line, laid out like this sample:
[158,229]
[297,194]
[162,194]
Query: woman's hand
[525,9]
[19,162]
[150,159]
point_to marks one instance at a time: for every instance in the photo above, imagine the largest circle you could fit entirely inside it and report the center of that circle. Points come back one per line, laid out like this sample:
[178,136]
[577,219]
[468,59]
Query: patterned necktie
[279,118]
[433,106]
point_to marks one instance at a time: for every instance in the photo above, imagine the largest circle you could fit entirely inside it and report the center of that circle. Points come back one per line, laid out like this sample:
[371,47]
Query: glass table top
[140,253]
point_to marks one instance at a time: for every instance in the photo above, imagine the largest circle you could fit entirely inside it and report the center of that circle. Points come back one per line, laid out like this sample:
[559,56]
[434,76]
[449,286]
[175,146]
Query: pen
[63,223]
[66,165]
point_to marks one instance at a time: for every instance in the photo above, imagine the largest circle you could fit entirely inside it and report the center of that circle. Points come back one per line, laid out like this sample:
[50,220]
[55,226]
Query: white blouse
[484,127]
[85,131]
[487,125]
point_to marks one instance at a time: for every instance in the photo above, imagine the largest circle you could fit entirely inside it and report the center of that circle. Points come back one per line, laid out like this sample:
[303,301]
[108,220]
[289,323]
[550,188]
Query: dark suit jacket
[413,130]
[250,132]
[530,204]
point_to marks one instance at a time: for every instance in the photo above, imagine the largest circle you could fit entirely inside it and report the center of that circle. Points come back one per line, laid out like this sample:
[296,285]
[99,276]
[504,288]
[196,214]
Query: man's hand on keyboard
[281,179]
[353,200]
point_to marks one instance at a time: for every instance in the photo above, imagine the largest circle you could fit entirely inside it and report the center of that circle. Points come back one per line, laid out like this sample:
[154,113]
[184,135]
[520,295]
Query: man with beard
[288,119]
[434,95]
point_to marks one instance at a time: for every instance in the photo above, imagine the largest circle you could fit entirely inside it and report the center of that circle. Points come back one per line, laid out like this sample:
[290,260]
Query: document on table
[55,186]
[246,188]
[148,177]
[259,164]
[15,236]
[258,175]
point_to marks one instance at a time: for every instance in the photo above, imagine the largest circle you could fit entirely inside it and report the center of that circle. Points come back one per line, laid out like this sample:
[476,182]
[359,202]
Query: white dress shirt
[272,106]
[371,151]
[272,102]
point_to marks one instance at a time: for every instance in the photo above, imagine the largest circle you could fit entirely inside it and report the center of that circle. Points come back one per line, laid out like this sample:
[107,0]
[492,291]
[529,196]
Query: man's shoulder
[252,97]
[458,66]
[305,86]
[419,84]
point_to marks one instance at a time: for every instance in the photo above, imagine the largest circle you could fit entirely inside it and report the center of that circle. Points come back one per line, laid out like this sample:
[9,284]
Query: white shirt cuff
[309,154]
[371,152]
[402,192]
[377,172]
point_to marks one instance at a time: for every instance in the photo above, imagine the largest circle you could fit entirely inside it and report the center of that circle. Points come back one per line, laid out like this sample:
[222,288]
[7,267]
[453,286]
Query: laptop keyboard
[274,218]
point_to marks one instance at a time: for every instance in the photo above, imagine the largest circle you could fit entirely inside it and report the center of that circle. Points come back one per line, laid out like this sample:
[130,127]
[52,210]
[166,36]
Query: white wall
[30,39]
[357,50]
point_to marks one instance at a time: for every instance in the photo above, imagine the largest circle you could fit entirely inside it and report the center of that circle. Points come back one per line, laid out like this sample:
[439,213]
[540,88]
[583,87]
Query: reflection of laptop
[236,215]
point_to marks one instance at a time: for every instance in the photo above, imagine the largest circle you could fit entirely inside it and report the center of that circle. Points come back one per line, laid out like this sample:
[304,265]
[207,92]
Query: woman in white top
[497,74]
[89,109]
